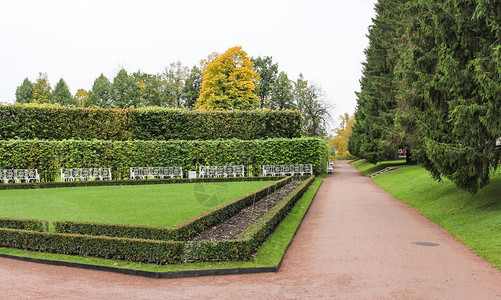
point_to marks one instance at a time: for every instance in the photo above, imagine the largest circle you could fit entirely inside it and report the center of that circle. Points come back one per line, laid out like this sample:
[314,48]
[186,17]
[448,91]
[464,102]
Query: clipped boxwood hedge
[52,122]
[137,250]
[181,231]
[26,224]
[49,156]
[251,239]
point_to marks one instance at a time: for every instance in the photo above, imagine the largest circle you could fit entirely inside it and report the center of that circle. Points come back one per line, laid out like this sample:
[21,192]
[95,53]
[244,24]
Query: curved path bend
[356,242]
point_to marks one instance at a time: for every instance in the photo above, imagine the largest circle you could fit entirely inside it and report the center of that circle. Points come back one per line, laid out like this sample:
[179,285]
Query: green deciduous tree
[62,94]
[191,89]
[100,94]
[282,93]
[228,83]
[24,92]
[41,89]
[310,101]
[124,90]
[267,71]
[150,89]
[173,80]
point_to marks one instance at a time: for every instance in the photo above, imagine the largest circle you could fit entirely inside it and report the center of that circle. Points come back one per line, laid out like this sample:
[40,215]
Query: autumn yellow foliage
[342,136]
[228,83]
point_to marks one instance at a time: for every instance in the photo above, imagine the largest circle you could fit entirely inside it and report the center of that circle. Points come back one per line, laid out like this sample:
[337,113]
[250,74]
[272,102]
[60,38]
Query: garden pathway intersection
[356,242]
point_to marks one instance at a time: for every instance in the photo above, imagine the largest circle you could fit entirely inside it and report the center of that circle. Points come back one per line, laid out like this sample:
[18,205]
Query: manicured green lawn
[475,220]
[367,168]
[154,205]
[269,255]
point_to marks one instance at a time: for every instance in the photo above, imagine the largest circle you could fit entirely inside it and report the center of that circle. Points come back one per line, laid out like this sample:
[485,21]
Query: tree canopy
[228,83]
[432,83]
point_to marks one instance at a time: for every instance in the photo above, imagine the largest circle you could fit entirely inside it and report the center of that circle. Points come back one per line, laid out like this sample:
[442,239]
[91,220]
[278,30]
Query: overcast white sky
[79,40]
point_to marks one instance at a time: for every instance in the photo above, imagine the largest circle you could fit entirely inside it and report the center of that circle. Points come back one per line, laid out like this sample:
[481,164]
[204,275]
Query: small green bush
[26,224]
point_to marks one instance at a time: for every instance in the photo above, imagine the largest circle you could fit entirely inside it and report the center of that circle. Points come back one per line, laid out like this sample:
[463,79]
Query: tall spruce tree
[459,118]
[445,86]
[374,136]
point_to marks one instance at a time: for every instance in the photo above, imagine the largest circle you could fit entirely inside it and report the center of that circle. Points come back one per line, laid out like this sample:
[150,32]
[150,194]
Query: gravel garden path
[356,242]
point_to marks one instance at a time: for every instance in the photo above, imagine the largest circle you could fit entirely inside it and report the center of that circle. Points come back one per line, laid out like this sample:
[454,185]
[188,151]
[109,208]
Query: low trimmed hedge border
[154,251]
[48,185]
[181,231]
[247,243]
[146,251]
[25,224]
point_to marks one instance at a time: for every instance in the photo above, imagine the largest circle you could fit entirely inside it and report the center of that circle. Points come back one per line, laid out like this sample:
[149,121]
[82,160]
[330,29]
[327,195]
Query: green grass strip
[368,169]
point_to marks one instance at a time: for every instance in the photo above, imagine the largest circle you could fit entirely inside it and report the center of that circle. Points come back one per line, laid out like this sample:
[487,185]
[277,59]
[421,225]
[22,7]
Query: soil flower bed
[234,226]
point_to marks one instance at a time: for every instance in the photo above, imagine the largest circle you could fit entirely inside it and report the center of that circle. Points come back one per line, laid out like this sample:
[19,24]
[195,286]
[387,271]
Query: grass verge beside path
[475,220]
[269,255]
[368,169]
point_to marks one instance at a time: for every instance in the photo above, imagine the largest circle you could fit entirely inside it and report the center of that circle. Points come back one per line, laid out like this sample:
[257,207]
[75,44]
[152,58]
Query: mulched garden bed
[234,226]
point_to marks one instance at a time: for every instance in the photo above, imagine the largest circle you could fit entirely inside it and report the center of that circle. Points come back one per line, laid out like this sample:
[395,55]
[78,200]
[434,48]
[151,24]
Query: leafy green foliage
[315,112]
[432,83]
[25,224]
[146,251]
[124,90]
[42,90]
[267,71]
[24,92]
[62,94]
[49,156]
[282,96]
[191,89]
[57,123]
[100,94]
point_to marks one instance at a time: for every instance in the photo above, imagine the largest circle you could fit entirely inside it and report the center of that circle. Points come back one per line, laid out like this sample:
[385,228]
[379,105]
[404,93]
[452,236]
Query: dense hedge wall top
[49,156]
[51,122]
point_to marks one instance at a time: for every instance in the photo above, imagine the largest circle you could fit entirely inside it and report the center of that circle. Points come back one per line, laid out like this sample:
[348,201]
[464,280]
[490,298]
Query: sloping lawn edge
[268,258]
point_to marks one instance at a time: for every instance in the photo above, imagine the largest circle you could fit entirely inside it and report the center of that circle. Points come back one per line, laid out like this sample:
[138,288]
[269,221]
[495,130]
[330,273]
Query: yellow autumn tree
[81,96]
[342,135]
[228,83]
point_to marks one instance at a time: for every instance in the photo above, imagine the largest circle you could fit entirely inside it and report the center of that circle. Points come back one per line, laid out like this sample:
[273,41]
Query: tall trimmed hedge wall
[58,123]
[49,156]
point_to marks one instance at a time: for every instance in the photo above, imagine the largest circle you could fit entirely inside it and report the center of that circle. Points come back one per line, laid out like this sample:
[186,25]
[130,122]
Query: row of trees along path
[356,242]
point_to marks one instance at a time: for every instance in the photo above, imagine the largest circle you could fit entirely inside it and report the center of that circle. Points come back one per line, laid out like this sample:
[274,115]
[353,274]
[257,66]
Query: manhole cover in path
[428,244]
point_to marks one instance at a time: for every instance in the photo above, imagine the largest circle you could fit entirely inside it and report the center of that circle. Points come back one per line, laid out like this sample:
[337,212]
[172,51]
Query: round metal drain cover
[428,244]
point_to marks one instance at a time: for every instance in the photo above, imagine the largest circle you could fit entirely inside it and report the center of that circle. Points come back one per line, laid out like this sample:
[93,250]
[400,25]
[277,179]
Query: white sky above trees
[79,40]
